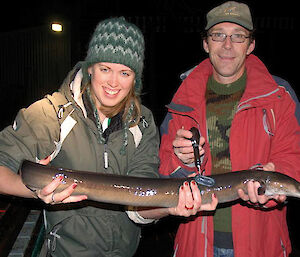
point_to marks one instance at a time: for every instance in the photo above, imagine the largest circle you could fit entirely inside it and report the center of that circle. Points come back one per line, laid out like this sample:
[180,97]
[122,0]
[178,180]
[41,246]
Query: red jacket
[264,129]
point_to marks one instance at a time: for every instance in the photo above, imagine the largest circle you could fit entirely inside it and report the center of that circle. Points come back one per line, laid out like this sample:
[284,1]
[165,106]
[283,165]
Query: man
[247,119]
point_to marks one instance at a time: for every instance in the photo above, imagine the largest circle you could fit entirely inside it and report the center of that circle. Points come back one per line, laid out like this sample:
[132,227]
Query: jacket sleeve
[31,136]
[145,161]
[170,165]
[285,150]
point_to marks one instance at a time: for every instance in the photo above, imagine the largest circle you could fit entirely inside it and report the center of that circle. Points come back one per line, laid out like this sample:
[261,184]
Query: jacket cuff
[180,172]
[137,218]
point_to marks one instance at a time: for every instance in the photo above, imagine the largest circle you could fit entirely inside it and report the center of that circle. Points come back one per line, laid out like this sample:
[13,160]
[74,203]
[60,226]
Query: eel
[155,192]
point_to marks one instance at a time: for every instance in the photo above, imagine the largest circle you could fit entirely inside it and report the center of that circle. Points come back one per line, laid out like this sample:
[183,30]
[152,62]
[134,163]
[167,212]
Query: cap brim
[238,22]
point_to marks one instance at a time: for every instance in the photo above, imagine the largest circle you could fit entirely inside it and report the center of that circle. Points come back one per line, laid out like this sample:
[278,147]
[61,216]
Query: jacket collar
[71,88]
[260,89]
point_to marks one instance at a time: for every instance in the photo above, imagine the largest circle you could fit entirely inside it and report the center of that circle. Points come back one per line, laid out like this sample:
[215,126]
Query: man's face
[227,57]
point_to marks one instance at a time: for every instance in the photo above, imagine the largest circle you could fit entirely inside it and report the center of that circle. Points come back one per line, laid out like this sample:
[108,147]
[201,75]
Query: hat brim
[231,20]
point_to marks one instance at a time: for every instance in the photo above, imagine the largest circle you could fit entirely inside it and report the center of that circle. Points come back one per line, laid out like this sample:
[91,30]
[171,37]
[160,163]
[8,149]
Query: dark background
[172,34]
[34,60]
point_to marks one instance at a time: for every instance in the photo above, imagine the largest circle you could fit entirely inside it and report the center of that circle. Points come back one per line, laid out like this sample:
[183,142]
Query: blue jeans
[221,252]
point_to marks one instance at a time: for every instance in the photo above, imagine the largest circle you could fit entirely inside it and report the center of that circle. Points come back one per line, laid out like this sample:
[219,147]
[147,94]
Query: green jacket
[86,228]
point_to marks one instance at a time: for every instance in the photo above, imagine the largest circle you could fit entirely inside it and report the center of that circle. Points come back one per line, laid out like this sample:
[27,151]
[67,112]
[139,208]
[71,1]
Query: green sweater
[221,104]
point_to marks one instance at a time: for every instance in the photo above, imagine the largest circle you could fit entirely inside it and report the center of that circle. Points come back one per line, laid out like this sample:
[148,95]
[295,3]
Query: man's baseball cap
[230,11]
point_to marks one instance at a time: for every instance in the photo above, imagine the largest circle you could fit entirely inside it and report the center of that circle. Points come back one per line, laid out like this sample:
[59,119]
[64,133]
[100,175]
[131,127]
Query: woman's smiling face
[110,83]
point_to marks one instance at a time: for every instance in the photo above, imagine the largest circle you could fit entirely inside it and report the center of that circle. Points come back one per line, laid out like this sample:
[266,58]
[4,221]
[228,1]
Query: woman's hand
[189,202]
[48,195]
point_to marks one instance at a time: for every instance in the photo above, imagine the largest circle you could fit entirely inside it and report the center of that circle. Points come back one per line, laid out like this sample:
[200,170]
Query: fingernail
[193,182]
[181,188]
[61,178]
[214,195]
[186,183]
[189,208]
[74,185]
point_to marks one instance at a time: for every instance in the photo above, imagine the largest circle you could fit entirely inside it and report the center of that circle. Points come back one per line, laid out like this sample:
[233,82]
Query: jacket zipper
[105,153]
[105,156]
[283,248]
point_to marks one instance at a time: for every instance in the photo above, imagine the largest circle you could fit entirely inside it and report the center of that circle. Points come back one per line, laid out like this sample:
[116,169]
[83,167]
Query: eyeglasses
[235,38]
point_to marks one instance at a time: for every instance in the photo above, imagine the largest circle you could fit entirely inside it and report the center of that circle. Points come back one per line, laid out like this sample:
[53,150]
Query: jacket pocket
[269,124]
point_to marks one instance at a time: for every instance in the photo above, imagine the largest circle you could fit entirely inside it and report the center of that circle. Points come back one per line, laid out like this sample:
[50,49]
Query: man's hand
[252,189]
[183,148]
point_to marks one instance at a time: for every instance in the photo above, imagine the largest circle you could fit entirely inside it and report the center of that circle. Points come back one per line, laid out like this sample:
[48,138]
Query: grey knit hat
[117,41]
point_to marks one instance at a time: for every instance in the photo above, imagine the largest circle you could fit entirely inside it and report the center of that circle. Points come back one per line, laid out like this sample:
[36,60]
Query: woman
[95,122]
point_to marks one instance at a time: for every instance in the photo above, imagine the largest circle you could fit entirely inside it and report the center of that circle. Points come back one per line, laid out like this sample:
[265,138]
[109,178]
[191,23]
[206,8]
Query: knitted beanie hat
[117,41]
